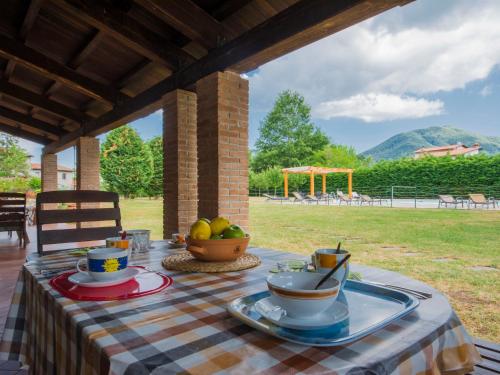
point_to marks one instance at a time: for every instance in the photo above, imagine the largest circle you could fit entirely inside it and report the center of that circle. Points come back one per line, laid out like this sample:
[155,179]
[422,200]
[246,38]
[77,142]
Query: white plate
[83,279]
[174,245]
[334,314]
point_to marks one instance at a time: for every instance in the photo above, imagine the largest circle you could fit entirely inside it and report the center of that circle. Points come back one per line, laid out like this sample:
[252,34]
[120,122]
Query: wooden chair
[480,199]
[13,215]
[64,216]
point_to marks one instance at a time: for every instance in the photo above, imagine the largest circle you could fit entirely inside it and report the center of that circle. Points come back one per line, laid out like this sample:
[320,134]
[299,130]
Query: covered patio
[78,68]
[75,69]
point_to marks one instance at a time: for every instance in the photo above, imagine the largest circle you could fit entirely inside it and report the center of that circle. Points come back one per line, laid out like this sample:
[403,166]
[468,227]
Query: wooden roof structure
[72,68]
[316,170]
[313,171]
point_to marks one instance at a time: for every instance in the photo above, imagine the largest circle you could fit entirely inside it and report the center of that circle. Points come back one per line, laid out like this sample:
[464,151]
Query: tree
[126,162]
[274,178]
[287,136]
[340,156]
[13,158]
[155,186]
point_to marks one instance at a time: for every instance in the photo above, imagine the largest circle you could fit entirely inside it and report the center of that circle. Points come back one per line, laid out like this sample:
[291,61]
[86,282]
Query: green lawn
[445,248]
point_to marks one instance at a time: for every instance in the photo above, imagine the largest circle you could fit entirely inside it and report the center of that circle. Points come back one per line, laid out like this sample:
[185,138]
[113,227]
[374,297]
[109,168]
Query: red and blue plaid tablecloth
[186,329]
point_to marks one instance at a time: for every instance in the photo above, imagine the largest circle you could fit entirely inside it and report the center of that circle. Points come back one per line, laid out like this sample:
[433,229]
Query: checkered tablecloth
[186,329]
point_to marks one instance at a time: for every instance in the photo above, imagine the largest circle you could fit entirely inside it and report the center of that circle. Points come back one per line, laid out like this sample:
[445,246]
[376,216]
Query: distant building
[449,150]
[65,176]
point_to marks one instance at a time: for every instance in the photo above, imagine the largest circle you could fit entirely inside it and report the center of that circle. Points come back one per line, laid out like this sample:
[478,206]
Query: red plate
[145,283]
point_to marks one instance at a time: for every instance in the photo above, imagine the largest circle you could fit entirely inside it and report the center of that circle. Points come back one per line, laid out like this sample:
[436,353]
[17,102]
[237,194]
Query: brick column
[87,164]
[49,172]
[87,172]
[180,195]
[223,147]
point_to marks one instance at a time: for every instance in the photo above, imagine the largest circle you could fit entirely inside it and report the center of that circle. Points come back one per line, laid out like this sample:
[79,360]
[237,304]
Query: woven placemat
[184,261]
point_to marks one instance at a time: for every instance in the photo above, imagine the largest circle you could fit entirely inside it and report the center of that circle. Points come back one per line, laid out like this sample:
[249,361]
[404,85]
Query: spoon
[332,271]
[338,247]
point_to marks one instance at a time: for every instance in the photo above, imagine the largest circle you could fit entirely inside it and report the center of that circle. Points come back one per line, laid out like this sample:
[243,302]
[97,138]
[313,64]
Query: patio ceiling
[71,68]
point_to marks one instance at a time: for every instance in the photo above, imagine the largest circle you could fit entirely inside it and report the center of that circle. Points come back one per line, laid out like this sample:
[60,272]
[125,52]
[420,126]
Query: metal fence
[411,194]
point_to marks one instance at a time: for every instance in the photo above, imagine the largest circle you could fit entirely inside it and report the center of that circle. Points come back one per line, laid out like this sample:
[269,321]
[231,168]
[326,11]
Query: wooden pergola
[74,69]
[313,171]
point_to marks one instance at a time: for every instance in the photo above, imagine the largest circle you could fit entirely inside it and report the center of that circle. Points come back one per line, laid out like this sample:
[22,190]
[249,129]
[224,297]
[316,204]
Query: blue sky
[429,63]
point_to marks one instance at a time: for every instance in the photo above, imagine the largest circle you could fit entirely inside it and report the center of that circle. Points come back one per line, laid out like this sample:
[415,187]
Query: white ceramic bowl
[294,292]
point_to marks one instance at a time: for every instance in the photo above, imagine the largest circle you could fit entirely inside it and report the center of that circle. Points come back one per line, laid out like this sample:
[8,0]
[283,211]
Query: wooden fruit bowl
[224,250]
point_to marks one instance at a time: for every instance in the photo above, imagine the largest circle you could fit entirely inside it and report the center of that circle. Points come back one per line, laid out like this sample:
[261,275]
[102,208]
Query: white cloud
[375,107]
[416,50]
[158,112]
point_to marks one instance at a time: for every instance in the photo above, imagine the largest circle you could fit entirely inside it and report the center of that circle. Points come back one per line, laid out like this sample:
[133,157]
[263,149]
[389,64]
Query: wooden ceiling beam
[9,69]
[127,31]
[34,60]
[27,24]
[127,77]
[30,18]
[39,101]
[189,19]
[21,133]
[303,15]
[228,8]
[86,50]
[23,119]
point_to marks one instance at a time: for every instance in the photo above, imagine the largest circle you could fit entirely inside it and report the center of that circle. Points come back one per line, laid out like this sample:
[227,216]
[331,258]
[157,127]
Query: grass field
[456,251]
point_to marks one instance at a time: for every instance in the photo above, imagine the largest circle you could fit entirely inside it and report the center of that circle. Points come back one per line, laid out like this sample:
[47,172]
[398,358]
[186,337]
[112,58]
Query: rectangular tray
[371,307]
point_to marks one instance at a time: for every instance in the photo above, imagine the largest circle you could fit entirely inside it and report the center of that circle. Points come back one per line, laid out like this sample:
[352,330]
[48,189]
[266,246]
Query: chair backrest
[298,196]
[447,198]
[477,198]
[311,197]
[355,195]
[366,198]
[64,216]
[12,211]
[341,196]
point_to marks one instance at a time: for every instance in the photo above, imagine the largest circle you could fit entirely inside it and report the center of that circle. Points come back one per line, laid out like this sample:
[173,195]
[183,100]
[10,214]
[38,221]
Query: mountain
[404,144]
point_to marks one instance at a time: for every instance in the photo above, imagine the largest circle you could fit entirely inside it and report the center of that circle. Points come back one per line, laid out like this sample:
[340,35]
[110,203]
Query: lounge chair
[448,199]
[343,198]
[356,197]
[311,198]
[480,199]
[297,197]
[363,198]
[274,198]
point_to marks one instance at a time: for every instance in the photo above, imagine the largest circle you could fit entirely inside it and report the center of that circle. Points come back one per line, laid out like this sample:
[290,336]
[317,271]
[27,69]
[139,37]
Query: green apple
[216,237]
[234,231]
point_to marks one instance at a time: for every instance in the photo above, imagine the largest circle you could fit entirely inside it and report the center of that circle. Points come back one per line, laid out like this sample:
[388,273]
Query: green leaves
[13,159]
[155,186]
[126,162]
[287,136]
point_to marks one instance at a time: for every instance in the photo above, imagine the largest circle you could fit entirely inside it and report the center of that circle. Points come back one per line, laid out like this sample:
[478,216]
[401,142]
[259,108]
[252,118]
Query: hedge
[427,177]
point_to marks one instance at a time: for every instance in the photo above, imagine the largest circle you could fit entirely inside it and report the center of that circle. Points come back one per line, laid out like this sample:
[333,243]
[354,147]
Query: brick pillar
[49,172]
[49,177]
[180,172]
[87,164]
[223,147]
[88,172]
